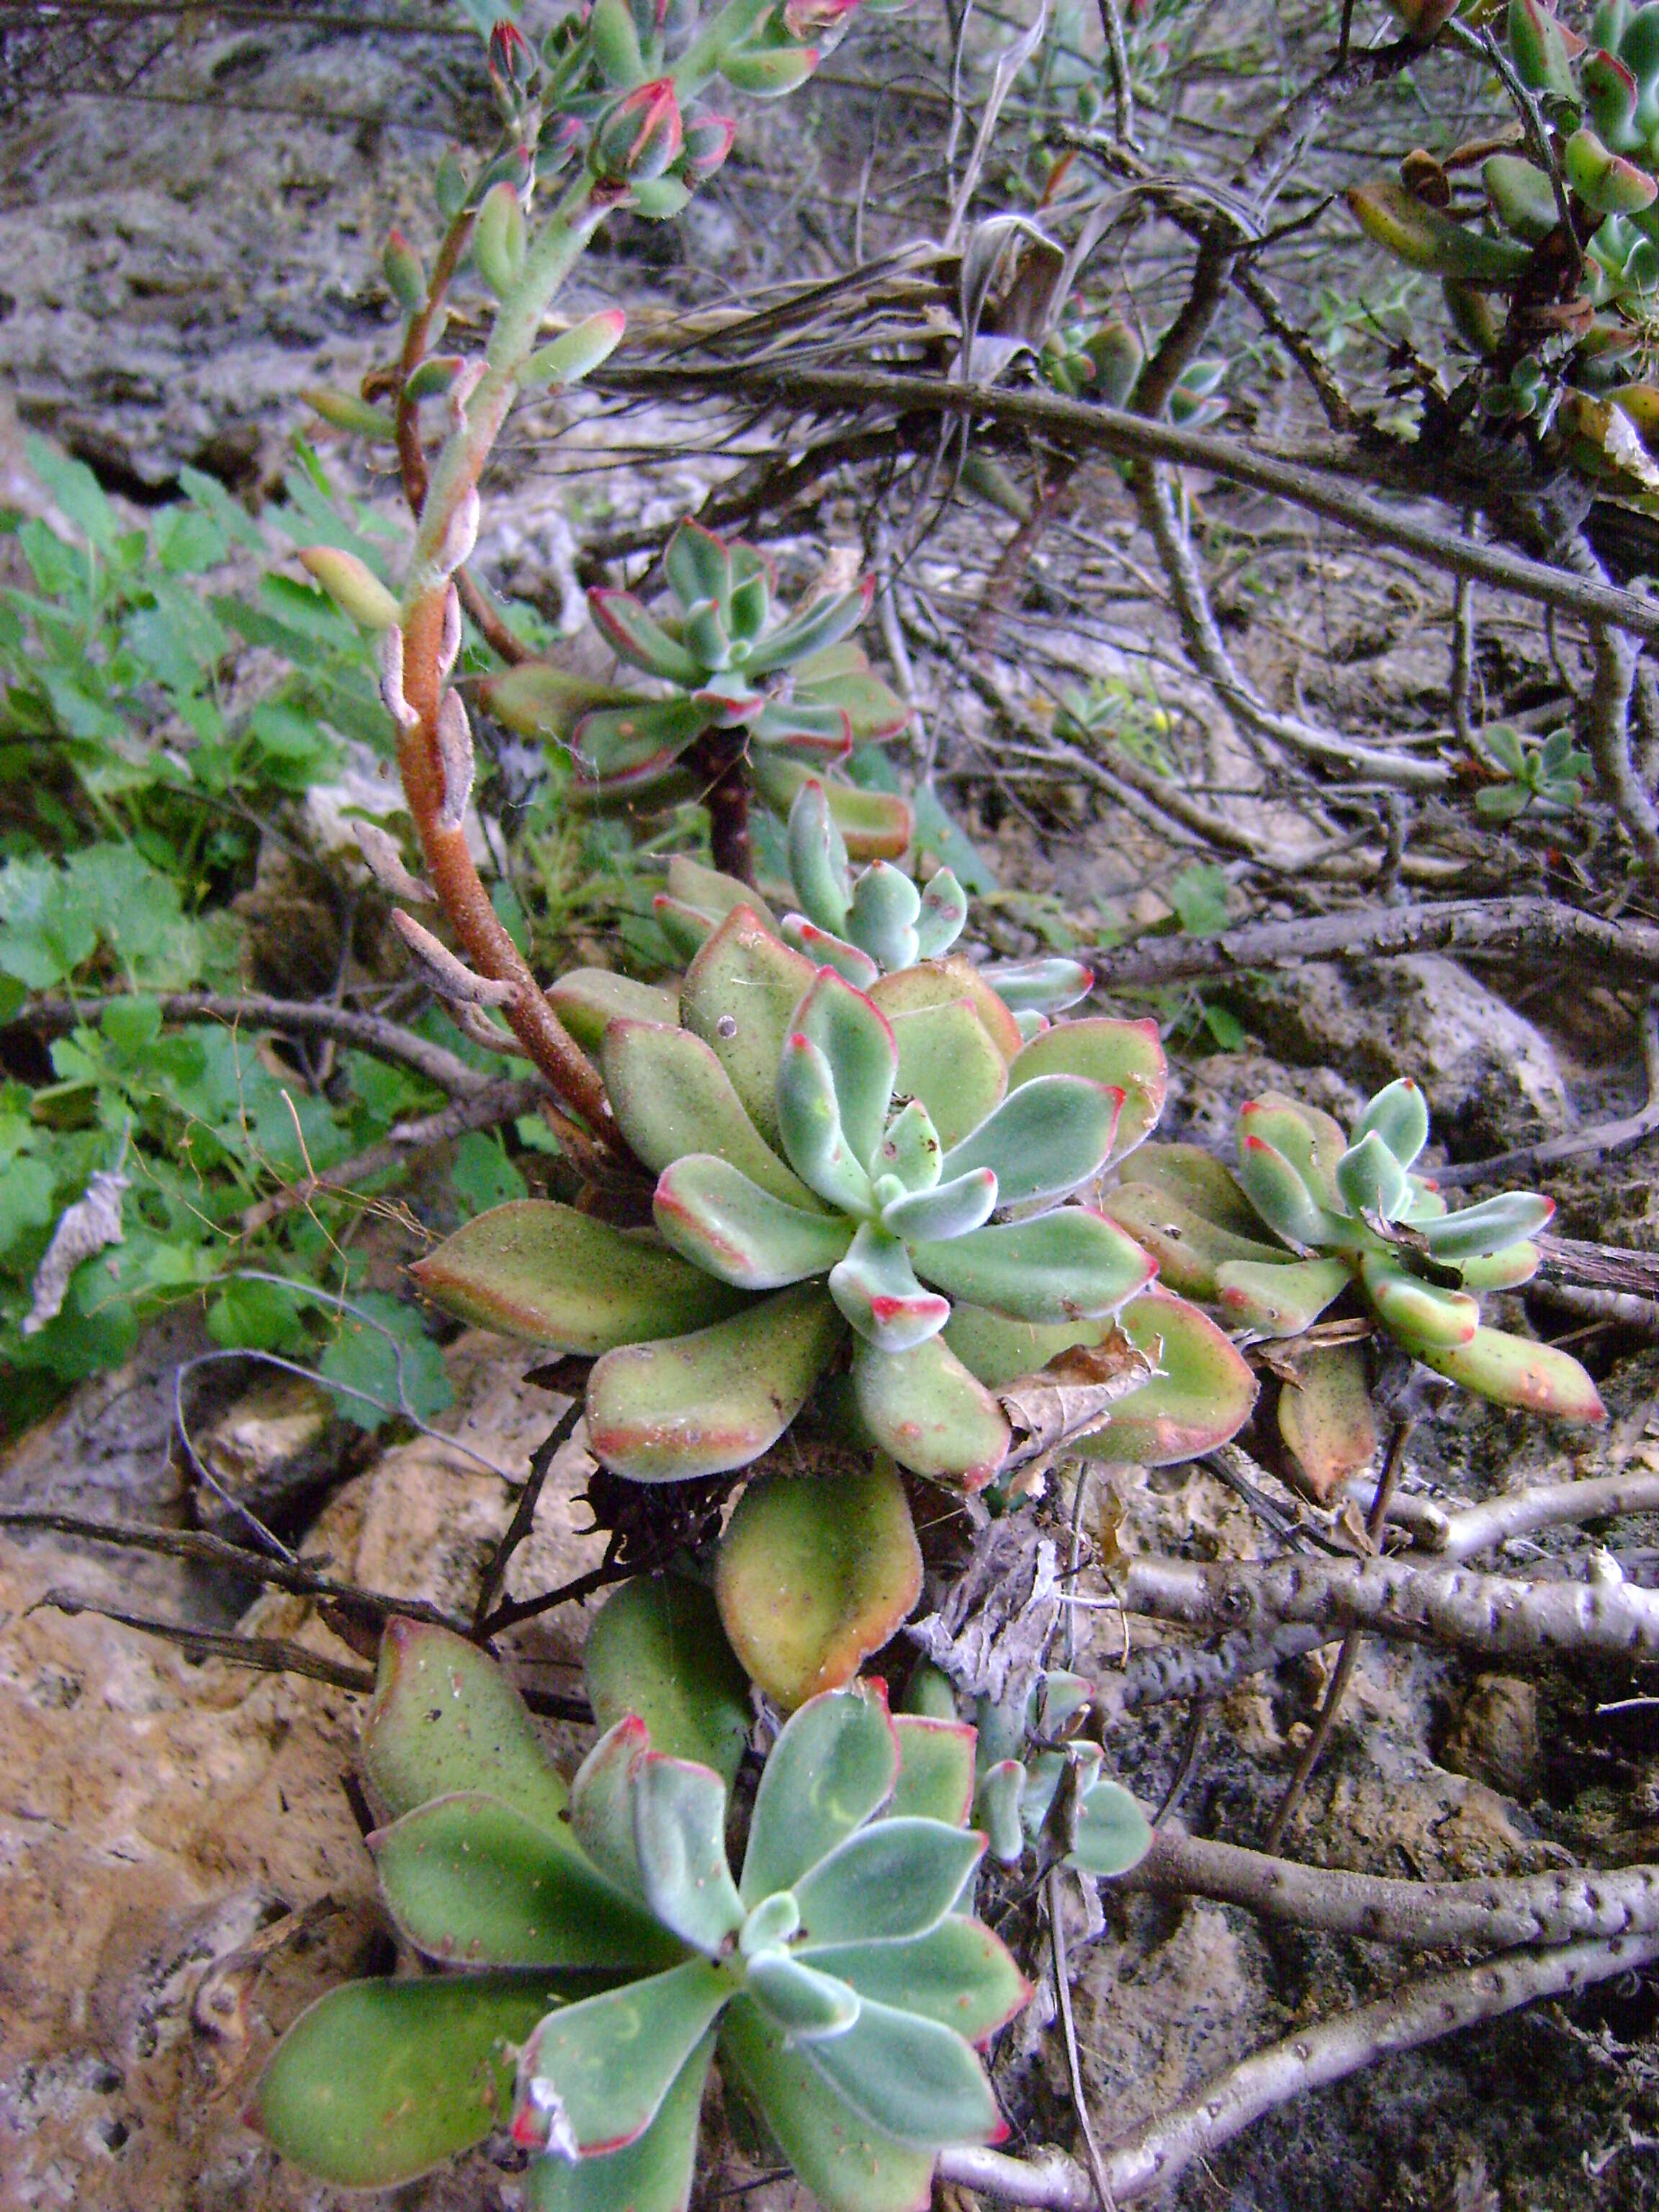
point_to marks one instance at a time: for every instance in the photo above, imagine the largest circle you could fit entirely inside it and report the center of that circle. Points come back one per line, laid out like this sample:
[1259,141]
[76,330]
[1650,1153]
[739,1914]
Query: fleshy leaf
[716,1218]
[1126,1056]
[1511,1371]
[588,999]
[1417,1312]
[1280,1196]
[601,2069]
[999,1807]
[1202,1395]
[1204,1186]
[848,2166]
[834,1765]
[936,983]
[1503,1271]
[614,743]
[1113,1833]
[911,1149]
[813,1575]
[818,860]
[472,1881]
[948,1209]
[944,914]
[805,2003]
[653,2173]
[698,565]
[378,2081]
[1309,1139]
[602,1800]
[536,1269]
[885,908]
[936,1769]
[679,1835]
[1275,1300]
[924,1407]
[445,1717]
[1040,987]
[1190,1249]
[826,951]
[914,2079]
[1371,1181]
[739,995]
[1475,1230]
[876,1288]
[855,1040]
[1045,1138]
[700,1404]
[876,824]
[823,623]
[894,1880]
[1400,1116]
[1067,1265]
[641,639]
[656,1649]
[809,1121]
[711,892]
[1327,1419]
[950,1064]
[959,1974]
[670,1096]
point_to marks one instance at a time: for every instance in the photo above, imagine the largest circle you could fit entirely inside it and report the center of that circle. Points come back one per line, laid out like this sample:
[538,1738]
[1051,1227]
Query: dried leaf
[450,978]
[386,864]
[1072,1395]
[89,1226]
[995,1620]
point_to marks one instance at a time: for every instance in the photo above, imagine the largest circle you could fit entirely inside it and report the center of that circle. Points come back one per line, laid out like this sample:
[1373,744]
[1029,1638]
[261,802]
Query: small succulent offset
[1600,97]
[1033,1783]
[1355,1216]
[789,691]
[1540,779]
[841,1978]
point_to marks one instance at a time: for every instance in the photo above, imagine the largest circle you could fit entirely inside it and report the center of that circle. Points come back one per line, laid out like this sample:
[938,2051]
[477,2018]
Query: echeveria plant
[839,1976]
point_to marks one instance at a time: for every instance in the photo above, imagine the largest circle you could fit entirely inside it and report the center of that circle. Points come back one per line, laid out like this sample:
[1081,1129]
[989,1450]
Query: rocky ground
[182,1869]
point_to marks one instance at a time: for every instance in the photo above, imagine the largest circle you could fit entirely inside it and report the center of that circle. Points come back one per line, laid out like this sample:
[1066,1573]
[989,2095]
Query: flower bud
[641,136]
[576,354]
[707,142]
[400,265]
[353,586]
[614,42]
[513,67]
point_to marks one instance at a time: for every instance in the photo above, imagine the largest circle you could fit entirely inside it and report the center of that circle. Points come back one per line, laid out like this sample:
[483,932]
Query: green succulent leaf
[1503,1270]
[886,906]
[1067,1265]
[679,1836]
[698,565]
[818,860]
[1126,1056]
[1045,1139]
[638,637]
[936,1769]
[601,2069]
[911,1149]
[937,983]
[824,624]
[1399,1115]
[1371,1181]
[876,1289]
[602,1802]
[916,2081]
[876,824]
[471,1880]
[834,1764]
[809,1120]
[924,1407]
[1417,1312]
[1424,238]
[703,1403]
[823,730]
[959,1974]
[739,996]
[894,1880]
[444,1717]
[1200,1396]
[711,892]
[1474,1231]
[805,2003]
[714,1216]
[826,951]
[653,2173]
[1040,987]
[858,1046]
[811,1577]
[378,2081]
[848,2166]
[948,1209]
[1311,1140]
[1521,197]
[656,1649]
[671,1096]
[949,1065]
[588,999]
[1280,1195]
[536,1269]
[943,916]
[1278,1300]
[1000,1808]
[1327,1419]
[616,744]
[1112,1832]
[1511,1371]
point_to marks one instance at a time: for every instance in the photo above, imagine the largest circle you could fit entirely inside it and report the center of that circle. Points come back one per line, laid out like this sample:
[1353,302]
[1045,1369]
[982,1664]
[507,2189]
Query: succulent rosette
[1350,1215]
[607,1953]
[796,686]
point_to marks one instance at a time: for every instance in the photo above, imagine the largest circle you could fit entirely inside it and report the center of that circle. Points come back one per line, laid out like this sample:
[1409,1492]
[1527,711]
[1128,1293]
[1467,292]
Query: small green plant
[750,698]
[839,1977]
[1352,1217]
[1539,779]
